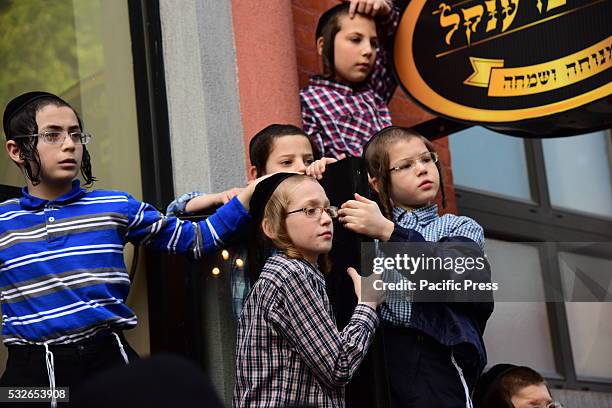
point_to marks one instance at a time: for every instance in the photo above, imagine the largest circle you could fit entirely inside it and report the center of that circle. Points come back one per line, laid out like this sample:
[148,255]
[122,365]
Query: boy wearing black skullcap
[511,386]
[289,352]
[346,105]
[62,274]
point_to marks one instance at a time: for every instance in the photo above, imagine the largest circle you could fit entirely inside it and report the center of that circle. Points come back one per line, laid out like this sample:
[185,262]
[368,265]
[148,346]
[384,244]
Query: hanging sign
[526,67]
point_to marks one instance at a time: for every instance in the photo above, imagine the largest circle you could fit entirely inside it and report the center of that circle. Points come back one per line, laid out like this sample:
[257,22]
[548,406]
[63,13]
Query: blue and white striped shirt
[239,281]
[62,273]
[397,309]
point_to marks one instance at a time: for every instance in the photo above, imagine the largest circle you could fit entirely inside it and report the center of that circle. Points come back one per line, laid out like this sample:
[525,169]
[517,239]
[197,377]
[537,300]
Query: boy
[275,148]
[62,274]
[511,386]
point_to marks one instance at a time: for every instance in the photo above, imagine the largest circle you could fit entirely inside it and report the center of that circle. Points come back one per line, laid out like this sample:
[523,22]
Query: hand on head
[224,196]
[246,193]
[317,168]
[369,7]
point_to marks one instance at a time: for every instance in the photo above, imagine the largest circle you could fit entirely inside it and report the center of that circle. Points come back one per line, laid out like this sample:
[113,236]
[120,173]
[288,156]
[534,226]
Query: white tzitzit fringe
[468,400]
[51,373]
[51,367]
[121,349]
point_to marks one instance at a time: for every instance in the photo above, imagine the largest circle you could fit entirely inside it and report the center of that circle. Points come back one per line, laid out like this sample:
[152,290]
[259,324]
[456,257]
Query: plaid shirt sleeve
[302,318]
[468,228]
[382,79]
[177,207]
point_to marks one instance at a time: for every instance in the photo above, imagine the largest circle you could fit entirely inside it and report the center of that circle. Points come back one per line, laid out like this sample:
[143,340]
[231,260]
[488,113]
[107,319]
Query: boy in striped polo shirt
[63,281]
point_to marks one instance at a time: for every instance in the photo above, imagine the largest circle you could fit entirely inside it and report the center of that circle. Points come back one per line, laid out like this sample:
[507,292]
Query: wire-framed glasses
[55,137]
[410,163]
[317,212]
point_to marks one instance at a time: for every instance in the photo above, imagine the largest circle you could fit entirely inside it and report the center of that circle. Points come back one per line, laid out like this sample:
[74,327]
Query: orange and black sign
[527,67]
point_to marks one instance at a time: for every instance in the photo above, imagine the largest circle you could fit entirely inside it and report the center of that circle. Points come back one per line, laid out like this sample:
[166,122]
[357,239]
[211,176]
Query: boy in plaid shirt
[289,352]
[345,106]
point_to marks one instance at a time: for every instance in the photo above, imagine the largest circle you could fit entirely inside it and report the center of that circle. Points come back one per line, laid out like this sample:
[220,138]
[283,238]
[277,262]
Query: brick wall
[405,113]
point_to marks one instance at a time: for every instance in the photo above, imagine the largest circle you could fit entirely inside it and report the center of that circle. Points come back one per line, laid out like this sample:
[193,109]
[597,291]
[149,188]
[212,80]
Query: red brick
[303,79]
[318,6]
[304,18]
[304,38]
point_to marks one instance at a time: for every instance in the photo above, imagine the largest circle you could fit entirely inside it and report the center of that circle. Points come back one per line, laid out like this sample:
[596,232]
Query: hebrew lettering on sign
[486,16]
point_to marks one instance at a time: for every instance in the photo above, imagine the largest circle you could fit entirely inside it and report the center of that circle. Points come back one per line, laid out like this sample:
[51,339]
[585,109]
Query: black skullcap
[489,379]
[17,104]
[377,134]
[327,16]
[263,192]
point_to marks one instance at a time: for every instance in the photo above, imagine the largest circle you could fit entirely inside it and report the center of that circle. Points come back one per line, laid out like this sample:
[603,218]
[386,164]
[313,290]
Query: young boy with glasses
[62,275]
[289,351]
[511,386]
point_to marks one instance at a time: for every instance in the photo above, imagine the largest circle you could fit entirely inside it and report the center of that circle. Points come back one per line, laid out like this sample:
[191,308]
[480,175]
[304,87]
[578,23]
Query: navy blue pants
[74,364]
[421,373]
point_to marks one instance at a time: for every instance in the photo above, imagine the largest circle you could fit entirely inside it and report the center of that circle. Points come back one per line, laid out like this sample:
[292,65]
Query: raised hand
[317,168]
[364,217]
[245,195]
[369,7]
[368,293]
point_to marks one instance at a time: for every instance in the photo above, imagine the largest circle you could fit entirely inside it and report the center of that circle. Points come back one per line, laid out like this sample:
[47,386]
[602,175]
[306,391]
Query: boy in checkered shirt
[289,352]
[345,106]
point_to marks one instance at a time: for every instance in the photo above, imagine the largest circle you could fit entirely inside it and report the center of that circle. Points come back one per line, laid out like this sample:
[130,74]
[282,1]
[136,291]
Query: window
[569,200]
[503,159]
[532,346]
[580,182]
[82,52]
[590,337]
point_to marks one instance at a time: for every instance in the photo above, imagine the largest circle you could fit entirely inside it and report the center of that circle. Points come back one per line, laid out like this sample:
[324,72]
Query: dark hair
[24,123]
[376,155]
[327,27]
[496,390]
[260,145]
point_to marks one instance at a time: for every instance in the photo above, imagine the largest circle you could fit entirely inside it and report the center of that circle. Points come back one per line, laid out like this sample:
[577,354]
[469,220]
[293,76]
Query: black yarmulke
[20,102]
[378,134]
[327,16]
[488,380]
[263,192]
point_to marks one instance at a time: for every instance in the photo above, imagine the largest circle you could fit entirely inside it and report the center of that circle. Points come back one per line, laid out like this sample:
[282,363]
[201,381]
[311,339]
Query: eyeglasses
[57,137]
[553,404]
[317,212]
[407,164]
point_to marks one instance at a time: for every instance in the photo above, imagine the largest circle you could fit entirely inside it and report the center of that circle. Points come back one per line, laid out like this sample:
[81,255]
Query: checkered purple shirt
[289,352]
[341,118]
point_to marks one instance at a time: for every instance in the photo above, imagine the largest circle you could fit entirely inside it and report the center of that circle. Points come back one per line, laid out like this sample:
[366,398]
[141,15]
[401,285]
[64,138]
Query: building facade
[173,90]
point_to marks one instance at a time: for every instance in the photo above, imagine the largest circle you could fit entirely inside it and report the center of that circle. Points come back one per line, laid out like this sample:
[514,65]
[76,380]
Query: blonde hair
[377,162]
[276,215]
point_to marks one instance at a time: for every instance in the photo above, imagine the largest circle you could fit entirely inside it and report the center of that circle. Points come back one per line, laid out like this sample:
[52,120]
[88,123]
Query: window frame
[152,106]
[511,219]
